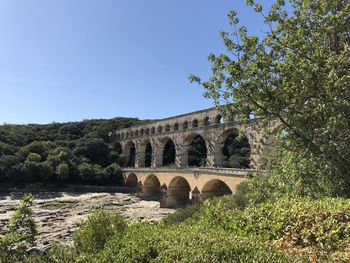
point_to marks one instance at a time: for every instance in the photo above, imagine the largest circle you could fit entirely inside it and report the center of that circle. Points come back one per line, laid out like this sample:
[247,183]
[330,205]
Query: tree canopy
[297,73]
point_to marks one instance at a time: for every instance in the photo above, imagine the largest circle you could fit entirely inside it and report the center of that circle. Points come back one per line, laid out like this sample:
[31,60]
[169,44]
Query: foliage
[96,230]
[296,78]
[61,153]
[21,234]
[182,214]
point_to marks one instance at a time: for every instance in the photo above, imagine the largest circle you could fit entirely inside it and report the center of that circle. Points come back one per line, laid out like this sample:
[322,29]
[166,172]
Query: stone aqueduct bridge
[179,183]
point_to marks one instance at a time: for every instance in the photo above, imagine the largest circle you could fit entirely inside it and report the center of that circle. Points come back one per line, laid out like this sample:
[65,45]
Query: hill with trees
[60,153]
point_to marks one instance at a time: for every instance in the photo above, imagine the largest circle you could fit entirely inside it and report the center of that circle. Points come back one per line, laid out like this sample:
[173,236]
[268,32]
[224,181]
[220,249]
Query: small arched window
[160,129]
[219,119]
[142,132]
[167,128]
[147,131]
[206,121]
[153,130]
[185,125]
[195,123]
[176,127]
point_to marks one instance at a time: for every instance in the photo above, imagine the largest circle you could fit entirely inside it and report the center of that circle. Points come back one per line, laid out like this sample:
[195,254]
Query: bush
[21,234]
[182,214]
[143,242]
[96,230]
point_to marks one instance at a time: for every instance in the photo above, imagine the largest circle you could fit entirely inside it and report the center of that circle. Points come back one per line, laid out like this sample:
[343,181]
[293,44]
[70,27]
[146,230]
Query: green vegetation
[21,234]
[288,229]
[56,154]
[59,204]
[297,75]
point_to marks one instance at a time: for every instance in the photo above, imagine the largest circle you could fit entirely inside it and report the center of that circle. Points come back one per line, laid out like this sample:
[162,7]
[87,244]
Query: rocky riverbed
[59,214]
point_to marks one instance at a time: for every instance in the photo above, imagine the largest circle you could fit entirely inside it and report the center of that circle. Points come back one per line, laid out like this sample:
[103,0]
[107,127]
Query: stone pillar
[163,196]
[210,153]
[140,156]
[183,156]
[158,157]
[178,155]
[218,155]
[195,196]
[139,191]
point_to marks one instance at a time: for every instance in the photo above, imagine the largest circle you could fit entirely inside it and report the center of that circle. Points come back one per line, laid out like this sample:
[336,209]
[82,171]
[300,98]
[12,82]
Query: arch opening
[132,155]
[131,180]
[206,121]
[169,153]
[176,126]
[236,151]
[178,192]
[185,125]
[195,123]
[215,188]
[197,152]
[219,119]
[148,155]
[151,186]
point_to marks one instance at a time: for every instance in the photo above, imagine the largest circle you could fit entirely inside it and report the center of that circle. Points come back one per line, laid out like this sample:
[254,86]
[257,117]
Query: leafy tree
[33,157]
[62,171]
[22,231]
[114,173]
[297,74]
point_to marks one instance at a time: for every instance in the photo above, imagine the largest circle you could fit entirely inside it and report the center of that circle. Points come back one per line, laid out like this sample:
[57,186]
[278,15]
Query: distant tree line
[61,153]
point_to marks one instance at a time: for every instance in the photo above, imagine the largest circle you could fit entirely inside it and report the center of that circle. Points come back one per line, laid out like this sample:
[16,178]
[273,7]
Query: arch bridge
[162,153]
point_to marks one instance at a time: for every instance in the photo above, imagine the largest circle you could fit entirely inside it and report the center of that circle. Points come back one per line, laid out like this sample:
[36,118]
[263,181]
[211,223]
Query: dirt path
[59,214]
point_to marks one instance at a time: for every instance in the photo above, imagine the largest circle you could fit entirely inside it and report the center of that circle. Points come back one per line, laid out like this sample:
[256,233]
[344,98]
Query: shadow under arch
[234,149]
[196,150]
[169,152]
[151,186]
[178,193]
[215,188]
[130,149]
[131,180]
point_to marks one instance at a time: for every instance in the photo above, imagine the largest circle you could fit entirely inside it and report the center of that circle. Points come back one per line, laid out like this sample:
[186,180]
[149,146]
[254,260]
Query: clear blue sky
[68,60]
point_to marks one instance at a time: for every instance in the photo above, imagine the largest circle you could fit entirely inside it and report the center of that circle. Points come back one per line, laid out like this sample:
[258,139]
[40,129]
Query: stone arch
[215,188]
[130,149]
[185,125]
[159,129]
[148,154]
[233,150]
[176,126]
[147,131]
[206,121]
[219,119]
[151,186]
[142,131]
[178,192]
[167,128]
[195,150]
[131,180]
[169,152]
[153,130]
[195,123]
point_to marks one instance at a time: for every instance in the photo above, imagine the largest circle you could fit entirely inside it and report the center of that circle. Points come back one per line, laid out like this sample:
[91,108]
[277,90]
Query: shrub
[182,214]
[96,230]
[143,242]
[22,231]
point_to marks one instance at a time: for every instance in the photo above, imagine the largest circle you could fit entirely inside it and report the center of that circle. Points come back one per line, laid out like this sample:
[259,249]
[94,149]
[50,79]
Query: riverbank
[58,214]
